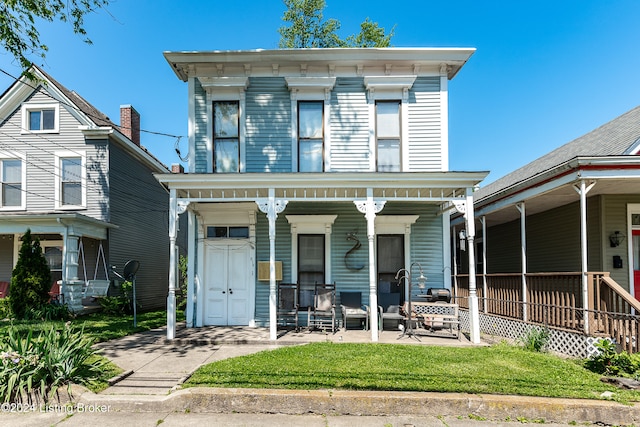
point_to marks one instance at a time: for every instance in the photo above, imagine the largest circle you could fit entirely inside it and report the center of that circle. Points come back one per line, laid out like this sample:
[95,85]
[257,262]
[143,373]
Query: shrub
[48,312]
[5,308]
[120,304]
[609,362]
[536,339]
[31,278]
[34,369]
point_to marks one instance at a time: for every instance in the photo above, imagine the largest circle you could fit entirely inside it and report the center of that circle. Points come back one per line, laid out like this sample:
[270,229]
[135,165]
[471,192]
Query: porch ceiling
[410,186]
[559,191]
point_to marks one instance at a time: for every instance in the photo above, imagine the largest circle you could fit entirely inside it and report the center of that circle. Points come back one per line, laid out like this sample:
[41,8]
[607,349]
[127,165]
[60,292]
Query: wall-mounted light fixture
[616,238]
[462,235]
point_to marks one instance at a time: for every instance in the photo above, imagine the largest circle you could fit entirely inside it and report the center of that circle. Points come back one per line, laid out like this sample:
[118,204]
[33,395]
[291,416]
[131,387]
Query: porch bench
[434,316]
[96,288]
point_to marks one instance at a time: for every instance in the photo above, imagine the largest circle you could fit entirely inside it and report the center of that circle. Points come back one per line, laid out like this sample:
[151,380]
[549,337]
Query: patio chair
[351,308]
[4,289]
[288,304]
[389,309]
[324,307]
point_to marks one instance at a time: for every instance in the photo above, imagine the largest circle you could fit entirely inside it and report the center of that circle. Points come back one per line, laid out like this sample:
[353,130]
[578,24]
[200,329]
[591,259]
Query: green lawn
[98,326]
[500,369]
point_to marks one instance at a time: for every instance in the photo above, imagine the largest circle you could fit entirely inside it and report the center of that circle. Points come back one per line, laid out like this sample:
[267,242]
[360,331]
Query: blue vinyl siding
[268,125]
[425,125]
[200,121]
[426,247]
[349,126]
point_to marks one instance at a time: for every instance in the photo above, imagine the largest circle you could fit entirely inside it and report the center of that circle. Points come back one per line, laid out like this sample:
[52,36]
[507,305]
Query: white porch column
[483,221]
[71,286]
[175,209]
[191,265]
[523,256]
[582,190]
[370,208]
[272,208]
[474,314]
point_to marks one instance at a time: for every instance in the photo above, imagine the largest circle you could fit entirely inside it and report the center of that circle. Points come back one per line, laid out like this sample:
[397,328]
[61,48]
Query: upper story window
[226,136]
[11,184]
[310,136]
[388,136]
[71,181]
[40,118]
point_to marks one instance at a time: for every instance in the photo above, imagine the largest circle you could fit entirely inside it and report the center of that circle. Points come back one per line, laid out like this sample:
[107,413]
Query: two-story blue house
[293,154]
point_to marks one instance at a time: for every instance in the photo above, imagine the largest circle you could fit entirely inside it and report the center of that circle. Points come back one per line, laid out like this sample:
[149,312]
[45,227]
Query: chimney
[130,123]
[177,168]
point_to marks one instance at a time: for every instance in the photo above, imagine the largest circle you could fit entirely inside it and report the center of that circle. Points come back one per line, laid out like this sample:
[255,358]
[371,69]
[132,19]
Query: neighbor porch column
[272,208]
[370,208]
[523,257]
[474,313]
[582,190]
[483,221]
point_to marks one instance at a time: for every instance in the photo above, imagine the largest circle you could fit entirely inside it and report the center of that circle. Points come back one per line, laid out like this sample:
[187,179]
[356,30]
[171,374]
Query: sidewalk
[154,368]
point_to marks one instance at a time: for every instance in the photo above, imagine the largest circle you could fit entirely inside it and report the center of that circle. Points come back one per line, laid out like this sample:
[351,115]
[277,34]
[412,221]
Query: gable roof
[619,137]
[84,111]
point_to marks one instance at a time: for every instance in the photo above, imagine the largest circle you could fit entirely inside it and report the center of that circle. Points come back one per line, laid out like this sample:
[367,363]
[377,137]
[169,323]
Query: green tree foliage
[19,35]
[308,29]
[31,278]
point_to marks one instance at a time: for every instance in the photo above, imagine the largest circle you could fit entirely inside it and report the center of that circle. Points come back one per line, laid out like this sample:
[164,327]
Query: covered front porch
[367,196]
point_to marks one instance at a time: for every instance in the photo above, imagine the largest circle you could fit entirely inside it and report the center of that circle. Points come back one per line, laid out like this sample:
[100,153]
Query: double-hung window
[388,139]
[11,184]
[310,136]
[40,118]
[226,136]
[70,180]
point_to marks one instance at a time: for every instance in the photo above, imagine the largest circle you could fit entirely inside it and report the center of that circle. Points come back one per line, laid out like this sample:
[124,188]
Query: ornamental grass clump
[34,368]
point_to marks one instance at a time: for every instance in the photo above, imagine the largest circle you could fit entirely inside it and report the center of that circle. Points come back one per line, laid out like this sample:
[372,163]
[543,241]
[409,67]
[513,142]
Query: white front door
[227,283]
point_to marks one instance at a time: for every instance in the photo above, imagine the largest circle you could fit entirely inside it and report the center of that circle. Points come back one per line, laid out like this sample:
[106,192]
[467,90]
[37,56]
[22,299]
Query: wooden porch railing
[556,300]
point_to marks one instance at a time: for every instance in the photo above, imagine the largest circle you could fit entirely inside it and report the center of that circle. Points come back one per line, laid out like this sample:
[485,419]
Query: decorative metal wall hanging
[353,237]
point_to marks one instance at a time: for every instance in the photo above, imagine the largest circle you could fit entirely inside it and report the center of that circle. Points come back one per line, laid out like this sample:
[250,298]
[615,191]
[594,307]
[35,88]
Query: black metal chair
[288,303]
[389,309]
[351,307]
[324,307]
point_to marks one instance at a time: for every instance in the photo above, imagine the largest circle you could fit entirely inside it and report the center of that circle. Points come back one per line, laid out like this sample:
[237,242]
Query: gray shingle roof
[614,138]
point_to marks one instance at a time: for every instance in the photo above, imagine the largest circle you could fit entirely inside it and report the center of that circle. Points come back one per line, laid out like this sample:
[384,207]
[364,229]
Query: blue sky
[545,71]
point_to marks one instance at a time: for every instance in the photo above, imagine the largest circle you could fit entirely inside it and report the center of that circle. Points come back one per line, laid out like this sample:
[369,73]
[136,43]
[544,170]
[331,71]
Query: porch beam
[370,208]
[272,207]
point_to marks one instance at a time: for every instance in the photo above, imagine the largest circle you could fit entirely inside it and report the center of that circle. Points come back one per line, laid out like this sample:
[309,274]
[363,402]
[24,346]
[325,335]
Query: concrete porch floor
[216,335]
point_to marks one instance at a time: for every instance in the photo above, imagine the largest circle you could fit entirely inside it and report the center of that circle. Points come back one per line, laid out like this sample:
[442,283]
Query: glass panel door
[390,260]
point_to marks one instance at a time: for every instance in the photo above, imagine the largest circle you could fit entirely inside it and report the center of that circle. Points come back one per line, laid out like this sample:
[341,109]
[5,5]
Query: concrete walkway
[154,369]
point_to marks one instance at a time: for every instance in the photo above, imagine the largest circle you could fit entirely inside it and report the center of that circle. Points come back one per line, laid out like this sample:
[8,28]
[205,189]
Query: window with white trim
[388,136]
[40,118]
[310,136]
[226,136]
[11,183]
[70,180]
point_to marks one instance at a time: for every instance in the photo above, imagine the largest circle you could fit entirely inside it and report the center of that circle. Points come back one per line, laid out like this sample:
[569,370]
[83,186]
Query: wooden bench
[434,316]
